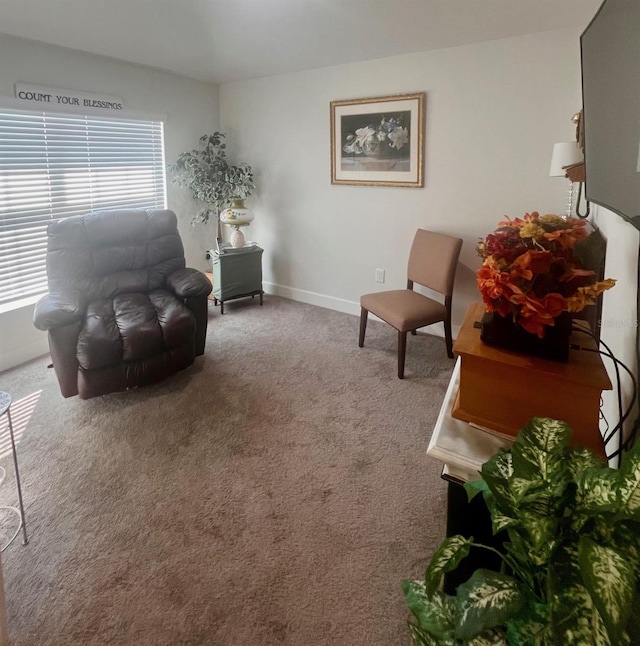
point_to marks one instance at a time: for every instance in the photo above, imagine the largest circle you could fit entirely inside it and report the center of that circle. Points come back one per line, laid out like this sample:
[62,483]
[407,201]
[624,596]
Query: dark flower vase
[503,332]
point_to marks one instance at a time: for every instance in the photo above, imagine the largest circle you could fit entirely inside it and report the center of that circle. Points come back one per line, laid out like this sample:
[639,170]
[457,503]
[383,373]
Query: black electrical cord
[625,443]
[604,420]
[636,424]
[610,433]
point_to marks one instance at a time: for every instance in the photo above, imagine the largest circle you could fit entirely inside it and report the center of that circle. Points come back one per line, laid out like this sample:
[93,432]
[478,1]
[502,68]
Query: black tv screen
[610,55]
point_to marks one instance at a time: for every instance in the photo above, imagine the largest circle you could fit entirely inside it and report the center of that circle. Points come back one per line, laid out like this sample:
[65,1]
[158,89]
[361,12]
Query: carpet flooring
[277,492]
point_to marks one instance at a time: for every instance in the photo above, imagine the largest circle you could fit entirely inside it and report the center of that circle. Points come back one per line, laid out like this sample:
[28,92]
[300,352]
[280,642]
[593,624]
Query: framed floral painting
[378,141]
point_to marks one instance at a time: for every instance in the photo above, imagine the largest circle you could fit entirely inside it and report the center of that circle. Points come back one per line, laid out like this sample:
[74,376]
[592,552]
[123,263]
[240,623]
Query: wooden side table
[501,390]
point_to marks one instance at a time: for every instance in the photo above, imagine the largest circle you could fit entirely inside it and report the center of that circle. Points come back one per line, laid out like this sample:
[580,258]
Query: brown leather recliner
[122,309]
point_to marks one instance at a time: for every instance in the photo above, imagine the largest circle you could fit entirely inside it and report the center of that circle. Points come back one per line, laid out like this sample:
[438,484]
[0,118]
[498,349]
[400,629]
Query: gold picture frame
[378,141]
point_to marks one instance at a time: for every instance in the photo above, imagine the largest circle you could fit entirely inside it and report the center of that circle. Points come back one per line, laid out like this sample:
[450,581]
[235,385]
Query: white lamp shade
[564,154]
[237,215]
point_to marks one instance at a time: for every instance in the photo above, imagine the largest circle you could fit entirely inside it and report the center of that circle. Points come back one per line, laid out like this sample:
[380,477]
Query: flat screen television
[610,57]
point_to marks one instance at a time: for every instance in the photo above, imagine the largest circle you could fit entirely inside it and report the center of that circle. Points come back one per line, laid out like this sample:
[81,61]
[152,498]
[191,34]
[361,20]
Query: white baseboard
[313,298]
[24,353]
[337,304]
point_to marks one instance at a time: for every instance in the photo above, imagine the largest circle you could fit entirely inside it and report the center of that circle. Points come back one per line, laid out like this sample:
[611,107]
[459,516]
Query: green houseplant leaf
[434,613]
[530,626]
[575,621]
[633,625]
[574,618]
[485,601]
[629,487]
[446,559]
[421,637]
[624,538]
[493,637]
[497,472]
[475,487]
[541,532]
[579,459]
[611,581]
[597,491]
[538,451]
[571,562]
[499,521]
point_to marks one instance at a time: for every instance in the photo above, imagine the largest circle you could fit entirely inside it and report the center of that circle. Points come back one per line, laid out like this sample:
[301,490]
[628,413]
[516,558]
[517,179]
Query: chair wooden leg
[414,332]
[363,325]
[402,349]
[448,337]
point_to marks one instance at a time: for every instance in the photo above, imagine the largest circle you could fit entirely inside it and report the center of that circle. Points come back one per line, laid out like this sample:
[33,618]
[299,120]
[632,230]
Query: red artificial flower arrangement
[530,271]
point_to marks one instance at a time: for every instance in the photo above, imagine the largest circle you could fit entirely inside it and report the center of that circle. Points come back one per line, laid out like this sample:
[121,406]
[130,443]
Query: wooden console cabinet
[501,390]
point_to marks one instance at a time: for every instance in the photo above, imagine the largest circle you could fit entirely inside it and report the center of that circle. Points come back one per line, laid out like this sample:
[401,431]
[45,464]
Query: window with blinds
[53,166]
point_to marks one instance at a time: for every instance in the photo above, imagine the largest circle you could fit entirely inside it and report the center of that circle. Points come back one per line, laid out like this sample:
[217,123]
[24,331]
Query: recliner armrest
[56,310]
[187,283]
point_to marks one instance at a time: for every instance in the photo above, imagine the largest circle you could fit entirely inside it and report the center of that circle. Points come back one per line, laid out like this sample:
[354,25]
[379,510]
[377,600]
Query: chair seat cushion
[404,309]
[133,326]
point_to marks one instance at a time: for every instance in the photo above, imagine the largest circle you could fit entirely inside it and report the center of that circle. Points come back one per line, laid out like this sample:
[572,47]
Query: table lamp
[236,216]
[565,154]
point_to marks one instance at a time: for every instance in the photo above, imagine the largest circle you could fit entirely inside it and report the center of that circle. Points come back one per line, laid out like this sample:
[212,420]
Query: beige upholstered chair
[432,264]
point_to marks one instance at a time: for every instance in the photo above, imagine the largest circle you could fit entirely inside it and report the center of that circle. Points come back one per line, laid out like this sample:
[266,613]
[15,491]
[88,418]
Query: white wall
[494,111]
[619,307]
[191,109]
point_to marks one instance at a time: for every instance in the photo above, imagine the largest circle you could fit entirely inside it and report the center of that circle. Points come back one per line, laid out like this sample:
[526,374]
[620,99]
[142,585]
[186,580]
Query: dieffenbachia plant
[571,562]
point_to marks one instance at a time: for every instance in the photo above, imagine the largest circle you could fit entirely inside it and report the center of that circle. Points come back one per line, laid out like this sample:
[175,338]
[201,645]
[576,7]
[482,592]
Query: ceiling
[227,40]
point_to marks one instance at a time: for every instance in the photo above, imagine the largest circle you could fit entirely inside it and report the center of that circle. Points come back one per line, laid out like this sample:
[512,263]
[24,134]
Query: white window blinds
[53,166]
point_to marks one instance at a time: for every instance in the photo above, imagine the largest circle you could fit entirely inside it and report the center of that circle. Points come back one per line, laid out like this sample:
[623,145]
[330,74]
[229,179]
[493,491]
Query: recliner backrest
[105,253]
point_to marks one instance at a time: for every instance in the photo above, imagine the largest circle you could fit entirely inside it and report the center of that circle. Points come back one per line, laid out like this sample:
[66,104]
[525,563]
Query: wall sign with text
[47,96]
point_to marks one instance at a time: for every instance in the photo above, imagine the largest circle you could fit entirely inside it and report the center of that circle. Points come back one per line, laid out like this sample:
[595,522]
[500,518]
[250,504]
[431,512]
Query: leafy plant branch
[209,176]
